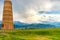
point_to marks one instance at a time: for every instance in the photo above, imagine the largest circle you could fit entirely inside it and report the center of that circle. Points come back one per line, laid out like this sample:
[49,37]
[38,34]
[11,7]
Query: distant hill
[18,24]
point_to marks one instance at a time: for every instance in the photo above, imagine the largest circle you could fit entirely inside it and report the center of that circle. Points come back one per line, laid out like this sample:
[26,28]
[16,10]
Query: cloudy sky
[34,11]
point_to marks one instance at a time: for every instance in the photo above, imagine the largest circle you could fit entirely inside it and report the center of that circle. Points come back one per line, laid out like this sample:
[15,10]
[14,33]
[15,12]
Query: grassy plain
[31,34]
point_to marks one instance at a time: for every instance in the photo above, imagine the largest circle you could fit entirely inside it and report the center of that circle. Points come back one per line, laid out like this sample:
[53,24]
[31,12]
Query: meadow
[31,34]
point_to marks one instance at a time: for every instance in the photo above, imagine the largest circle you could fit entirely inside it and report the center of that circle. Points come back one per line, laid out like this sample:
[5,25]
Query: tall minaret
[7,22]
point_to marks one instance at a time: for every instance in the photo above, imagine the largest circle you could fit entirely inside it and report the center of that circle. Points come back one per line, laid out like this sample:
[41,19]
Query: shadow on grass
[31,32]
[43,33]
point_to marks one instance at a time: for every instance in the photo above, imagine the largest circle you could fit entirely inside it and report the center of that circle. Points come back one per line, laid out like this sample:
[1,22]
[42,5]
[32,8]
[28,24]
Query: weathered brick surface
[7,22]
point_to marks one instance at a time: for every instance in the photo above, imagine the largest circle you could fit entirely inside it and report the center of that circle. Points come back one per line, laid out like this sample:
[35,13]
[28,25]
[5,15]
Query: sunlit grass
[31,34]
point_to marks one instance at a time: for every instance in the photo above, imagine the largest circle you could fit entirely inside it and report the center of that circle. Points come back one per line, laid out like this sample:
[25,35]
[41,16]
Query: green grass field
[31,34]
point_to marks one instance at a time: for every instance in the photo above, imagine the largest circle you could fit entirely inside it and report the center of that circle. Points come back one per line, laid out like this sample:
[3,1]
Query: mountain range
[18,24]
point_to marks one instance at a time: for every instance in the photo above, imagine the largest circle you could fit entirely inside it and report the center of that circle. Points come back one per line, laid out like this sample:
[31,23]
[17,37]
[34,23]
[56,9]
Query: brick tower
[7,22]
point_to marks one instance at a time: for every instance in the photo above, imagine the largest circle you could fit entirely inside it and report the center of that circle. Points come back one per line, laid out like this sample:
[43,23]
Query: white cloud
[28,11]
[1,10]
